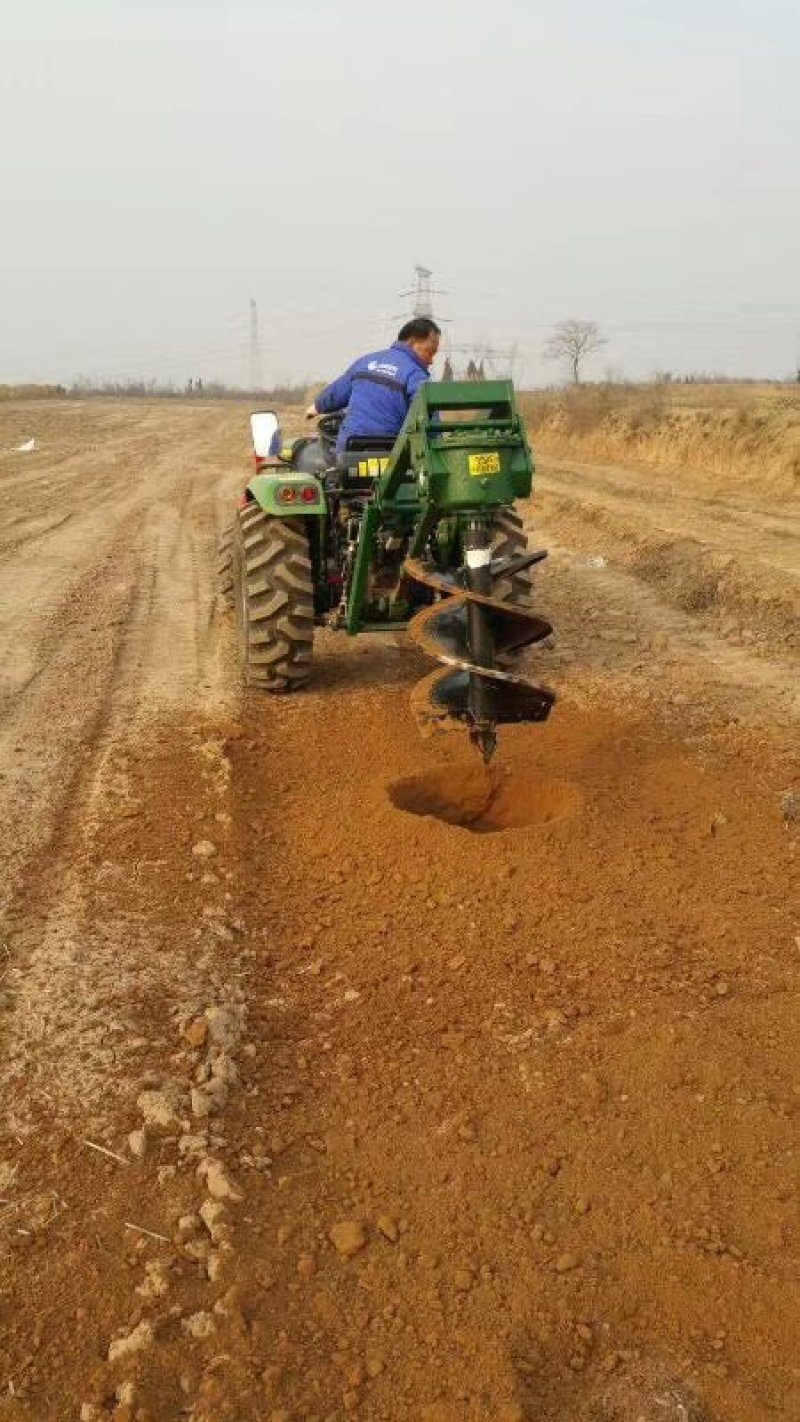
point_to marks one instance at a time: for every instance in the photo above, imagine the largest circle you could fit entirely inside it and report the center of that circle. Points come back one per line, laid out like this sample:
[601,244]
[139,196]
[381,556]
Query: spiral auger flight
[476,635]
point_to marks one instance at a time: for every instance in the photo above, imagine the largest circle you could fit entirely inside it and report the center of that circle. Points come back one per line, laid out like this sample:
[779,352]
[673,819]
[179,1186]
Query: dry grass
[31,392]
[730,435]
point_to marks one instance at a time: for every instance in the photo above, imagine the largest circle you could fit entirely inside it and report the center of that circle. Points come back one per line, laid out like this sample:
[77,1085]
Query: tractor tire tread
[509,540]
[225,566]
[275,601]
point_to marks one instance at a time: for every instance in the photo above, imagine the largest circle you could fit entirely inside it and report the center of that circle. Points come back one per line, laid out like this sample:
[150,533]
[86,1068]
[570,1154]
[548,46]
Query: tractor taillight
[287,494]
[308,494]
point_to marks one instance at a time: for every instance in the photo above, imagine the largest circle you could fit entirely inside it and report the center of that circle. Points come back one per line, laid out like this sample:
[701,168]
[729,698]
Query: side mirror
[264,427]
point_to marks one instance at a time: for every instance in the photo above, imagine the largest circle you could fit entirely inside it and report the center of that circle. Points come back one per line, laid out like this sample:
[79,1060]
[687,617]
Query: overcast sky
[163,161]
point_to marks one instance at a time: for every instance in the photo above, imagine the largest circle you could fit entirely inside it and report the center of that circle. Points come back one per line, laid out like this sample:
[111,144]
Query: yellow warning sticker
[484,463]
[371,468]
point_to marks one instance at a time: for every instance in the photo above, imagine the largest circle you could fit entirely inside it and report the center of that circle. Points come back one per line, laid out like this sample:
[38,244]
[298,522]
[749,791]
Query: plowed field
[333,1087]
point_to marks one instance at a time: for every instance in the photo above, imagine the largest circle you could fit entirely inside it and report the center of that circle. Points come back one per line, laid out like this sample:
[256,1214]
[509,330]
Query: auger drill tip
[485,738]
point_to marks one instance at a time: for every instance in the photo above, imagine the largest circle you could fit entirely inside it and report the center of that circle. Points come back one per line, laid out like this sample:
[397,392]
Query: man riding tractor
[377,389]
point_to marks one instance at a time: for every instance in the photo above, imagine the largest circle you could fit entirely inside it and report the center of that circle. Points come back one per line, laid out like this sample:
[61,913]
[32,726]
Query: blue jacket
[377,390]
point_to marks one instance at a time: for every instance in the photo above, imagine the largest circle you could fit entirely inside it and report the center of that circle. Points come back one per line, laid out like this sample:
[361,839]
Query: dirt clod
[199,1325]
[219,1183]
[162,1108]
[196,1032]
[214,1215]
[137,1341]
[137,1144]
[566,1262]
[204,849]
[348,1238]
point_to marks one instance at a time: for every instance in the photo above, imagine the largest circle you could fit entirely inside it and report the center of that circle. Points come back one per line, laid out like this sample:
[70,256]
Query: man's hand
[311,412]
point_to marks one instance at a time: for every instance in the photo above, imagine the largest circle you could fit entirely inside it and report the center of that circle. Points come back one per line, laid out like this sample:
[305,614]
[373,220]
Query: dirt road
[316,1107]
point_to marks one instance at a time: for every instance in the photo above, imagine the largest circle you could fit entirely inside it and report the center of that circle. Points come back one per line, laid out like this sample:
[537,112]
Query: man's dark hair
[419,329]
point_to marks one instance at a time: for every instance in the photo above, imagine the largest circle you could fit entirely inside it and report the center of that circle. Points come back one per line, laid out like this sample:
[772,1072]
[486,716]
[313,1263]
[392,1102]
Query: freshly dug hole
[484,800]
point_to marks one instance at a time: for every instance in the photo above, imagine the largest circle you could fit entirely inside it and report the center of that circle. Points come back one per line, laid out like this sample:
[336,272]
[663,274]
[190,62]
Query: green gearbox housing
[479,460]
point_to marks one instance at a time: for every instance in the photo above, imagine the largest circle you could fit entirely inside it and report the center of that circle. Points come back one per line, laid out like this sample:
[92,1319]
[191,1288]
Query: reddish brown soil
[531,1037]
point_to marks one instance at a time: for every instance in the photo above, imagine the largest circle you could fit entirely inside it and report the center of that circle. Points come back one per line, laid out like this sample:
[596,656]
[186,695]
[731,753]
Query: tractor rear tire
[273,594]
[510,541]
[225,566]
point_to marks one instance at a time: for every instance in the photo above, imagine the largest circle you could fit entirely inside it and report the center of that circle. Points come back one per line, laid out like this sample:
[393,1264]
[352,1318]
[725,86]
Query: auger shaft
[480,638]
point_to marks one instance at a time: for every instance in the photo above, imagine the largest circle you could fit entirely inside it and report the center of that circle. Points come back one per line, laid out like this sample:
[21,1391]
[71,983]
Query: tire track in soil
[142,588]
[53,1033]
[609,620]
[65,1223]
[735,570]
[52,734]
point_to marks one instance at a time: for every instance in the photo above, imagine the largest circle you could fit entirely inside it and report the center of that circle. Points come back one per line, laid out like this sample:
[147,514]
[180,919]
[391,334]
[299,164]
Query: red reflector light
[308,494]
[287,494]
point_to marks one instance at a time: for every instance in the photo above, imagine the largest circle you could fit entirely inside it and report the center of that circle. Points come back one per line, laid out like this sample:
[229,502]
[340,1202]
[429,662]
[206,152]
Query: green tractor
[419,532]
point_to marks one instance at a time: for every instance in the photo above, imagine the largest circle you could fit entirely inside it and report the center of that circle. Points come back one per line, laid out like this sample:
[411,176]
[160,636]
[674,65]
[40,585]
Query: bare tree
[572,341]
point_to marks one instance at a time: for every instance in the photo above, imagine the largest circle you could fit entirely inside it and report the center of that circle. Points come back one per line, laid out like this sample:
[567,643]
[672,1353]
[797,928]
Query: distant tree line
[32,392]
[85,387]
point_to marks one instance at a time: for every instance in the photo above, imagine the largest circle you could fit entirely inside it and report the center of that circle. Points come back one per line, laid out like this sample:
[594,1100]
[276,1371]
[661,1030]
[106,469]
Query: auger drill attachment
[483,616]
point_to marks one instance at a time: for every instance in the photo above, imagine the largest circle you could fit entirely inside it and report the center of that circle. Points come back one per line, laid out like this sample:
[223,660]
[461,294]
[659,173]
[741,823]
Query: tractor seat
[360,446]
[364,460]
